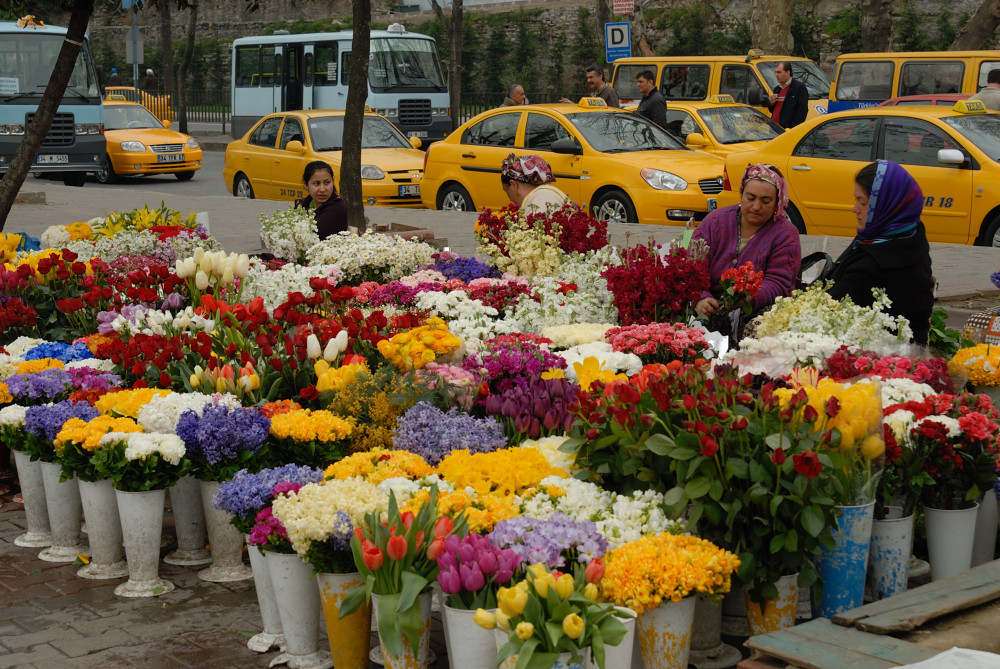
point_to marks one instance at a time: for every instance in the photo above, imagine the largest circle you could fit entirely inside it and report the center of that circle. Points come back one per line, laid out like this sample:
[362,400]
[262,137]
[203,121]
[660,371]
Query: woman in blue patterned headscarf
[890,250]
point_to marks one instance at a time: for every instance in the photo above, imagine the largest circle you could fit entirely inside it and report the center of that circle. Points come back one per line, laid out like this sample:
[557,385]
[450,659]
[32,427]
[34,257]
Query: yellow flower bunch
[79,230]
[5,396]
[31,366]
[643,573]
[549,447]
[307,425]
[855,410]
[8,246]
[591,369]
[142,219]
[94,341]
[128,402]
[336,379]
[378,465]
[415,348]
[505,472]
[87,434]
[482,512]
[980,362]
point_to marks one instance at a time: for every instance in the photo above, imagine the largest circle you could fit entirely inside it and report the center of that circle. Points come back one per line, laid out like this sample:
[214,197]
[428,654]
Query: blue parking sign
[617,41]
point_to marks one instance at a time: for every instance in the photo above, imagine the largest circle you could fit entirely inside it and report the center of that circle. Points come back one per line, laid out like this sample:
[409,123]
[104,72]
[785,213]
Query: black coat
[654,107]
[796,106]
[902,267]
[331,216]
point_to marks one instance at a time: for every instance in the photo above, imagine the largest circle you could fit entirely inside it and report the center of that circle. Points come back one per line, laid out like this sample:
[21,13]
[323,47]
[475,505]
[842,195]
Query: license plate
[170,158]
[409,190]
[416,133]
[52,159]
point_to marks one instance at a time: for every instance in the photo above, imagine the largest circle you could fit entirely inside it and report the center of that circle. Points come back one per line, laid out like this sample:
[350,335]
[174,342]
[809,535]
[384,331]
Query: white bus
[284,72]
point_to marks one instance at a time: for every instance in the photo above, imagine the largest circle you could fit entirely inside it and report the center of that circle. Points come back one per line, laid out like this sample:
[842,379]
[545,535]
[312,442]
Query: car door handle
[801,168]
[468,155]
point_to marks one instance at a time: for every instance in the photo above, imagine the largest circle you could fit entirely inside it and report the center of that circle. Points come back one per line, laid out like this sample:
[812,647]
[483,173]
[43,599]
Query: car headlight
[192,143]
[371,172]
[87,128]
[661,180]
[11,128]
[133,146]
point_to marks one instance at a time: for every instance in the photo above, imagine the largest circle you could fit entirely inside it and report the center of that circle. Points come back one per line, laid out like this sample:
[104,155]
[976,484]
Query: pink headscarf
[527,169]
[768,174]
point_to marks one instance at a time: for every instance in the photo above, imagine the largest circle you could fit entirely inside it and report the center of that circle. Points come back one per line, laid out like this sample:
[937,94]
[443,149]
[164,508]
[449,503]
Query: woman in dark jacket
[330,210]
[890,250]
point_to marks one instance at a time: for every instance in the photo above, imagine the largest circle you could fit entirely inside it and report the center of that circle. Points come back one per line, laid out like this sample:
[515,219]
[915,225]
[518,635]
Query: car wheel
[242,187]
[186,176]
[991,234]
[106,173]
[455,198]
[615,207]
[796,218]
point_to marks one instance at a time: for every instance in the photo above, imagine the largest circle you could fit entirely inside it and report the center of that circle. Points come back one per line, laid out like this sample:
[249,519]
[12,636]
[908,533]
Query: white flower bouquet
[290,233]
[609,359]
[274,285]
[372,256]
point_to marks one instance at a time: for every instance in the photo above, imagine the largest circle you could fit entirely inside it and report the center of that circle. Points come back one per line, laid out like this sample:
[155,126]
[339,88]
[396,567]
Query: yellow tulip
[542,584]
[522,586]
[503,621]
[195,381]
[538,569]
[524,630]
[512,601]
[873,446]
[484,619]
[573,626]
[321,367]
[591,591]
[564,586]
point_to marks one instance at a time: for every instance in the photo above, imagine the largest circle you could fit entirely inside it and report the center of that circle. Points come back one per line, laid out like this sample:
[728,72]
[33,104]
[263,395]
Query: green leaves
[812,520]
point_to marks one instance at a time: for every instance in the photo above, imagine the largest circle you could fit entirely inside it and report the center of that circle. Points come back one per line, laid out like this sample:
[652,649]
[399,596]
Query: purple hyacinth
[466,269]
[47,419]
[433,434]
[47,385]
[551,541]
[247,493]
[220,434]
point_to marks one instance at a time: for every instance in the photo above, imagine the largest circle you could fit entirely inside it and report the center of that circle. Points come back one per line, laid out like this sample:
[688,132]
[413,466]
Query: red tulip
[443,527]
[396,548]
[594,571]
[372,556]
[436,548]
[407,519]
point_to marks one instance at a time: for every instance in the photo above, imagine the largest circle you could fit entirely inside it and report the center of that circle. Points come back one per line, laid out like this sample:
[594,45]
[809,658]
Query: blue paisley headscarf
[894,205]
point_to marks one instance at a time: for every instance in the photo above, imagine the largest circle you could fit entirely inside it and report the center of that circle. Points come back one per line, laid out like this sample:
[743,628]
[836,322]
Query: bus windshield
[805,71]
[327,134]
[26,62]
[399,62]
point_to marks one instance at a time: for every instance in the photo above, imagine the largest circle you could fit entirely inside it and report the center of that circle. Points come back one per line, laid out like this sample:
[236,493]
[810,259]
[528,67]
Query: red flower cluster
[491,226]
[579,232]
[659,342]
[16,314]
[649,287]
[743,279]
[500,296]
[846,364]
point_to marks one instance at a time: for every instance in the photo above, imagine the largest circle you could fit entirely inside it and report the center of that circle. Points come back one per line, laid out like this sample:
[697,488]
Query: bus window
[931,77]
[984,71]
[404,63]
[625,79]
[267,59]
[247,66]
[865,80]
[326,64]
[685,82]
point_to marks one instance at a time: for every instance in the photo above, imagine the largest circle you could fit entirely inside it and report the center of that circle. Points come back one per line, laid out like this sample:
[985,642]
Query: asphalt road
[206,181]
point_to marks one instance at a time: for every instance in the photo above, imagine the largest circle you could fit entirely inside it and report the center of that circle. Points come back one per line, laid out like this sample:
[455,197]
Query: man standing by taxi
[991,94]
[789,103]
[652,106]
[595,79]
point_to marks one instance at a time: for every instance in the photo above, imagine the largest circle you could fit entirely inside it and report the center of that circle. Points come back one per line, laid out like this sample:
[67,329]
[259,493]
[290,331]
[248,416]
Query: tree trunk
[357,91]
[771,26]
[980,29]
[602,16]
[167,46]
[453,29]
[34,135]
[875,17]
[182,70]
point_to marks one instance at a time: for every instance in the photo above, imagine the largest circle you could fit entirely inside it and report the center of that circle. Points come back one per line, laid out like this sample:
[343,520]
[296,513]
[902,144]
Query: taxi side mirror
[295,146]
[568,146]
[165,122]
[951,157]
[415,142]
[696,139]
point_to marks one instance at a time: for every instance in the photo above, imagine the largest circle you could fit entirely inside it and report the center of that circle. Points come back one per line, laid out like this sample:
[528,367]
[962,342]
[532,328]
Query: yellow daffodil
[591,369]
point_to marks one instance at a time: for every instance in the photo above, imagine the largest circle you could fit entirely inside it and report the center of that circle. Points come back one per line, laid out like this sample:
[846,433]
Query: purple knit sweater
[775,250]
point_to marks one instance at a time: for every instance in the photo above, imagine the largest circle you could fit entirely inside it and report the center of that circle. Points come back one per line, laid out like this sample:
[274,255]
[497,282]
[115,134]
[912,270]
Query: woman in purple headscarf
[756,230]
[890,250]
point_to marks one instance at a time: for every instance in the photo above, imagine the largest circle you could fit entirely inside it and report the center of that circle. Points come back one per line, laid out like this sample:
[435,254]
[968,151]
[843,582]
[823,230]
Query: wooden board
[909,610]
[820,644]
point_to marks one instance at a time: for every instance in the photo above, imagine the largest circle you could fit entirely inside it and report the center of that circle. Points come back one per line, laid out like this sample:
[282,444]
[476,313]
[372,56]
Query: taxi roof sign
[592,102]
[115,96]
[970,107]
[721,99]
[369,110]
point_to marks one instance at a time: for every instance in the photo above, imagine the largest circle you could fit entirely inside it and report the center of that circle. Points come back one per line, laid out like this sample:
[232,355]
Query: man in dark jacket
[653,106]
[789,103]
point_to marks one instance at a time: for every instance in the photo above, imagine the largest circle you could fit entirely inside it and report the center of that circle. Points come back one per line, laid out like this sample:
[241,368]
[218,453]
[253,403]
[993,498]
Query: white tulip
[190,266]
[242,266]
[201,280]
[199,253]
[183,322]
[341,340]
[227,276]
[331,350]
[205,264]
[313,349]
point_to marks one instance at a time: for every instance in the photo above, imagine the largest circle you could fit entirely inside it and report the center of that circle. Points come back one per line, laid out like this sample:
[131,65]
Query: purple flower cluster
[247,493]
[995,278]
[466,269]
[433,434]
[551,541]
[502,360]
[47,385]
[221,434]
[47,419]
[339,538]
[60,351]
[132,312]
[470,563]
[535,407]
[88,378]
[399,294]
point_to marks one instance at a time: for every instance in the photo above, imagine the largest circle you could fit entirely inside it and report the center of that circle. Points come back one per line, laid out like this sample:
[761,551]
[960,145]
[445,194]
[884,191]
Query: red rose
[778,457]
[807,463]
[709,446]
[166,380]
[308,393]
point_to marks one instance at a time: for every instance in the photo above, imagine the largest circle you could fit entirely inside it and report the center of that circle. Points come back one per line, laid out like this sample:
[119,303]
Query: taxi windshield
[805,71]
[327,134]
[732,125]
[614,132]
[982,130]
[123,117]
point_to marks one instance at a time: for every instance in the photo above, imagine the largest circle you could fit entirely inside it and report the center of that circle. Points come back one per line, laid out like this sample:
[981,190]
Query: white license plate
[52,159]
[416,133]
[170,158]
[409,190]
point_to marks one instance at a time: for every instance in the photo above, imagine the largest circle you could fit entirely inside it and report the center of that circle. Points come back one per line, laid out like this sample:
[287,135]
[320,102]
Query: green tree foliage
[695,33]
[909,29]
[804,30]
[846,27]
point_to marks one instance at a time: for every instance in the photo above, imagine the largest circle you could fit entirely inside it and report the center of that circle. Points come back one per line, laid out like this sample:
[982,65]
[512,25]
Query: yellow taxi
[626,168]
[952,152]
[720,126]
[268,161]
[158,105]
[140,144]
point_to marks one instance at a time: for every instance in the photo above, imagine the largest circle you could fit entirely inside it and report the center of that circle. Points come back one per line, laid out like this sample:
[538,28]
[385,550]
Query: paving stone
[42,655]
[45,635]
[40,619]
[105,659]
[101,593]
[84,645]
[35,593]
[18,612]
[155,655]
[222,655]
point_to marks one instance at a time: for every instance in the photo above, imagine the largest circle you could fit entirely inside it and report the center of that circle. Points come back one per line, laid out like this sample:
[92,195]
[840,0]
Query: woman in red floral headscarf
[527,181]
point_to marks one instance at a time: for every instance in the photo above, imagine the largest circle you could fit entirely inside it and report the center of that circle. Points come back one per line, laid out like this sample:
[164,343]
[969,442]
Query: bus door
[291,82]
[308,73]
[277,82]
[329,84]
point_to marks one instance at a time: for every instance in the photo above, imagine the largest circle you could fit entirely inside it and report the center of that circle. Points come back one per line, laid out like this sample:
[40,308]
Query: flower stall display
[981,363]
[371,256]
[433,434]
[847,363]
[533,408]
[558,541]
[306,437]
[288,234]
[659,342]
